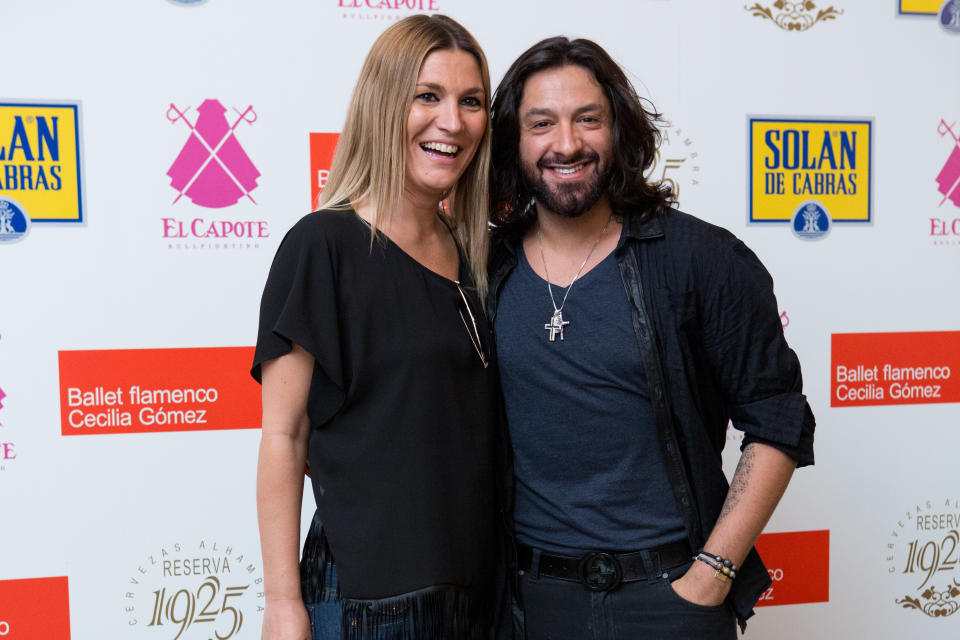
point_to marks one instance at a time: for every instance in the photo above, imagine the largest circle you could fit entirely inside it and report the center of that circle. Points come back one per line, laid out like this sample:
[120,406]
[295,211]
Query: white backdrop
[106,511]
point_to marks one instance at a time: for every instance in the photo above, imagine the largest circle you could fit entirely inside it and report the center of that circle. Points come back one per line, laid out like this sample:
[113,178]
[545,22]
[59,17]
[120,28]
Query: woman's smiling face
[446,122]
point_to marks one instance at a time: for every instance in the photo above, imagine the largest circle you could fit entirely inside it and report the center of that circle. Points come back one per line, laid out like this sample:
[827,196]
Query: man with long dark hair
[629,334]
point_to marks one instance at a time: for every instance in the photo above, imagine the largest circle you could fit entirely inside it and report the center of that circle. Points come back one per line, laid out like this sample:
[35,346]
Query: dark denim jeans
[560,610]
[326,616]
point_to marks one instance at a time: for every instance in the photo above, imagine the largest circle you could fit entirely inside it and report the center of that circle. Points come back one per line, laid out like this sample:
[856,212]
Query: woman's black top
[403,415]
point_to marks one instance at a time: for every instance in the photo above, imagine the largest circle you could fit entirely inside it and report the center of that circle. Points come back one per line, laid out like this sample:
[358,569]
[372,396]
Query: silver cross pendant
[556,325]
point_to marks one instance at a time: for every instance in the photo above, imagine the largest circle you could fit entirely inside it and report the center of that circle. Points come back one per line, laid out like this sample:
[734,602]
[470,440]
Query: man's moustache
[568,160]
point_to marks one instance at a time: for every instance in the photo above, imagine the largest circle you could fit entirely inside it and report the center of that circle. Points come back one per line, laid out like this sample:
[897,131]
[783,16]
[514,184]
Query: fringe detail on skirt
[315,565]
[441,612]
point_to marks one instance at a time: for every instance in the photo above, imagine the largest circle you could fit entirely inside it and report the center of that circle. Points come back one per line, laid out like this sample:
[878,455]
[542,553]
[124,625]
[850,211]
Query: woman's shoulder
[328,227]
[329,222]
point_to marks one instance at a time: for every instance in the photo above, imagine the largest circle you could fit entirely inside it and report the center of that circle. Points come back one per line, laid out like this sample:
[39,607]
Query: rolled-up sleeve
[757,372]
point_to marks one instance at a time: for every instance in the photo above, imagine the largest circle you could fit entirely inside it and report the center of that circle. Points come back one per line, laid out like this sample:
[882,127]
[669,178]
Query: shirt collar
[636,226]
[641,227]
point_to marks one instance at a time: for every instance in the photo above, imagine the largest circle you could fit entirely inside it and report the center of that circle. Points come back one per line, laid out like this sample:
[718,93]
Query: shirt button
[659,390]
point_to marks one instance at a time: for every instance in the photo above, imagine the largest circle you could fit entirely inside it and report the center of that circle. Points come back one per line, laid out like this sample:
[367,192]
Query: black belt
[601,571]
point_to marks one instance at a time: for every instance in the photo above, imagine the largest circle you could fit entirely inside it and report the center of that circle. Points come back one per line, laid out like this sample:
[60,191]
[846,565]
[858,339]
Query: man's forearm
[756,488]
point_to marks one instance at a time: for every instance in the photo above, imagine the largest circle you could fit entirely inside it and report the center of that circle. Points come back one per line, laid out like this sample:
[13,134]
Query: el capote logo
[677,162]
[922,557]
[194,592]
[40,166]
[794,16]
[947,12]
[384,9]
[213,171]
[7,452]
[947,230]
[810,173]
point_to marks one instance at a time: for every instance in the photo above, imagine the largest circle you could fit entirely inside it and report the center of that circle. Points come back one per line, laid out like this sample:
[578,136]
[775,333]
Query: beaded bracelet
[725,570]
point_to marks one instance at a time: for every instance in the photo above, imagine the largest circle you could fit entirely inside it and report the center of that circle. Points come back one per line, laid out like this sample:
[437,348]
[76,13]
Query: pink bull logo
[212,169]
[948,180]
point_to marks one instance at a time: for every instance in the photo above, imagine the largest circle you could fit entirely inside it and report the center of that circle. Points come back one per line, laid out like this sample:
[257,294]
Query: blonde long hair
[370,160]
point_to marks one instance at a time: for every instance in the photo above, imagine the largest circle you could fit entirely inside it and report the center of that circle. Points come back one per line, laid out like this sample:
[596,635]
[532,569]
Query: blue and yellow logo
[795,161]
[919,7]
[40,159]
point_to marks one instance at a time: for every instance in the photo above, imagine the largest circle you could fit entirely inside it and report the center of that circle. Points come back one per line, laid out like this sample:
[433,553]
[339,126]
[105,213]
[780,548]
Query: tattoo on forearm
[739,483]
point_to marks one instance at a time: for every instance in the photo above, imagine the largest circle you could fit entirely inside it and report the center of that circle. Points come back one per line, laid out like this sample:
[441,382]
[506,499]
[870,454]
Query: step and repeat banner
[153,153]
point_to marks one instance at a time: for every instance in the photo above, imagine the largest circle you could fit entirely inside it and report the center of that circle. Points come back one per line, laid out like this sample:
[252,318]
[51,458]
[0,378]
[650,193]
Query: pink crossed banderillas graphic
[212,169]
[948,179]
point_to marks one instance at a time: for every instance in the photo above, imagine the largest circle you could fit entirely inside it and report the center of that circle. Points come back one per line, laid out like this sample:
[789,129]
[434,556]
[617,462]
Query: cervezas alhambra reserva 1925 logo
[922,556]
[794,16]
[195,591]
[677,162]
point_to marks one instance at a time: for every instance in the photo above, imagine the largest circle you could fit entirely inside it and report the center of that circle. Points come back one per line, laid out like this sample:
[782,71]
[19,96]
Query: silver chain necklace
[557,323]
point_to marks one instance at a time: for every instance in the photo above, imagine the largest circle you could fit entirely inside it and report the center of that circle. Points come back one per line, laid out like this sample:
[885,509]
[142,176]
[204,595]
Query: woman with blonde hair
[373,354]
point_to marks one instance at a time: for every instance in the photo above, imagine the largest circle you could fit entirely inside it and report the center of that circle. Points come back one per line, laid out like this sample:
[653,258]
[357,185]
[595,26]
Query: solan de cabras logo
[213,171]
[947,12]
[809,173]
[40,165]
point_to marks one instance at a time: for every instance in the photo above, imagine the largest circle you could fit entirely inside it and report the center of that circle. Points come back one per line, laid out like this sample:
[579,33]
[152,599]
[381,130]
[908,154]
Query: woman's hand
[285,620]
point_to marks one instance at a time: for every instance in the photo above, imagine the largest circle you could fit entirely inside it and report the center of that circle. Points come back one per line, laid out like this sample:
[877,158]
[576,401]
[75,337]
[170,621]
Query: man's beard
[567,200]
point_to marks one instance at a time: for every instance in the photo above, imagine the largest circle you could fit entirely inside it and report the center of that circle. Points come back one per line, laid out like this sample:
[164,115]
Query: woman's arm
[283,456]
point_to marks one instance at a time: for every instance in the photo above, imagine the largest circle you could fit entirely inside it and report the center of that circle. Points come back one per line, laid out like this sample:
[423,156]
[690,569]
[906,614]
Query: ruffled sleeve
[299,305]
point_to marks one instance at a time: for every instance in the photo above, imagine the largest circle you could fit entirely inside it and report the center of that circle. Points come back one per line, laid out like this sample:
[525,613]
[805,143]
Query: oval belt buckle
[600,571]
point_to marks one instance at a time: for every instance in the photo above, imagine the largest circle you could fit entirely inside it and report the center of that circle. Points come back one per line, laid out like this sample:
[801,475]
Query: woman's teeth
[449,149]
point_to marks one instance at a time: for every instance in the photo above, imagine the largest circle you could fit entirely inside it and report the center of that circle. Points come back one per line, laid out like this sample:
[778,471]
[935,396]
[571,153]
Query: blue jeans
[561,610]
[326,616]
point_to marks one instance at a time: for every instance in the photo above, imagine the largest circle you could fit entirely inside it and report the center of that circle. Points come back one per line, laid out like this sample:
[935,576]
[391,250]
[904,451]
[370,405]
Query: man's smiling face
[565,139]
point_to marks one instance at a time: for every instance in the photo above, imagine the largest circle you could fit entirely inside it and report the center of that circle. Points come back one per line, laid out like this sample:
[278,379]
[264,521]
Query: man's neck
[566,233]
[570,246]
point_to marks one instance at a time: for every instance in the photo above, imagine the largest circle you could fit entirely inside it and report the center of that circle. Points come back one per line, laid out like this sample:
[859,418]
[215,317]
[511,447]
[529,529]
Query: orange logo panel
[894,368]
[799,565]
[322,148]
[157,390]
[35,609]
